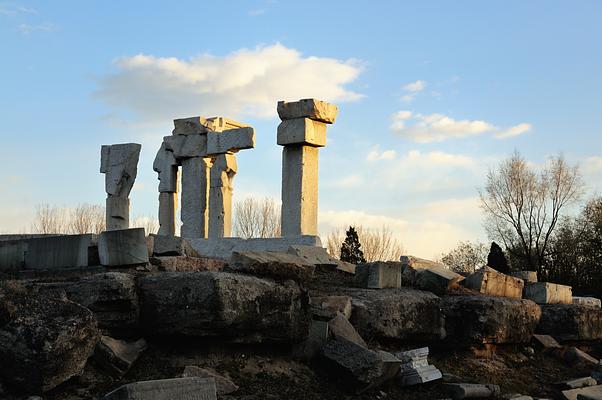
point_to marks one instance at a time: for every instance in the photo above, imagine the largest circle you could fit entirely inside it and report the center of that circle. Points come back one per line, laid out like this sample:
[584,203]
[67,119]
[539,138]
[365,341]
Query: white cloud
[375,154]
[26,29]
[513,131]
[412,89]
[347,182]
[12,9]
[247,82]
[439,127]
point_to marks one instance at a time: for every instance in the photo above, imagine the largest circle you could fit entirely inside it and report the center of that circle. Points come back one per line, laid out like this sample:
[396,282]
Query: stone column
[119,163]
[166,166]
[220,195]
[301,132]
[195,193]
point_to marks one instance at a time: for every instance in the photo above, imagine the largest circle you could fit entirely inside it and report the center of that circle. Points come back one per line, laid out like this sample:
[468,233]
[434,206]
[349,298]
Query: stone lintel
[230,141]
[308,108]
[186,146]
[302,131]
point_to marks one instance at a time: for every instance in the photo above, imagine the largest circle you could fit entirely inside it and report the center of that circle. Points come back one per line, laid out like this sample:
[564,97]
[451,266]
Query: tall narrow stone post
[166,166]
[119,163]
[220,195]
[195,195]
[301,132]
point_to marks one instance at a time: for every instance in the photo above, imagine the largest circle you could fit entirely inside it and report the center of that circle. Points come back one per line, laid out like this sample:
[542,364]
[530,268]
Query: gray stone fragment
[272,264]
[186,146]
[58,251]
[493,283]
[12,255]
[471,391]
[415,368]
[527,276]
[167,389]
[303,131]
[224,247]
[117,356]
[231,140]
[328,307]
[316,255]
[586,393]
[119,163]
[570,322]
[546,341]
[548,293]
[339,326]
[172,246]
[379,275]
[224,384]
[123,247]
[582,301]
[428,275]
[577,383]
[308,108]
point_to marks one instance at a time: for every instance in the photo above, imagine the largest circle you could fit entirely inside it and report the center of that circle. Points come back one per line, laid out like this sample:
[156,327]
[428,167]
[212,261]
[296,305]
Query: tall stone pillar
[301,132]
[119,163]
[220,195]
[195,195]
[166,166]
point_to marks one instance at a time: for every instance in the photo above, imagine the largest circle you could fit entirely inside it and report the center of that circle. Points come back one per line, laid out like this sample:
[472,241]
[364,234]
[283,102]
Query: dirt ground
[269,372]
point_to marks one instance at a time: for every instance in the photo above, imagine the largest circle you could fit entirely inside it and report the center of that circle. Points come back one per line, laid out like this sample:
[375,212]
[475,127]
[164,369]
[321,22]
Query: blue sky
[431,95]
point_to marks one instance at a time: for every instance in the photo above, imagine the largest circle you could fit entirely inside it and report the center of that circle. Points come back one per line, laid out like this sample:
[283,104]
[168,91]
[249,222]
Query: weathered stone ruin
[203,315]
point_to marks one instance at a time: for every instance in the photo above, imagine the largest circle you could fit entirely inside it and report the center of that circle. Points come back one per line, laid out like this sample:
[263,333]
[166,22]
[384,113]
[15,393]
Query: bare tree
[256,217]
[150,224]
[522,207]
[87,218]
[466,257]
[377,244]
[50,219]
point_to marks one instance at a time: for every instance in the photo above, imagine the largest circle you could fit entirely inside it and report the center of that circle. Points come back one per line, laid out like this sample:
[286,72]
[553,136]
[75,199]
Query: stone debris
[548,293]
[597,372]
[576,357]
[315,255]
[546,341]
[119,163]
[273,265]
[402,314]
[233,307]
[526,276]
[318,335]
[45,339]
[576,383]
[327,307]
[415,368]
[493,283]
[113,298]
[379,275]
[185,263]
[172,246]
[586,301]
[167,389]
[303,131]
[586,393]
[428,275]
[224,385]
[474,320]
[339,326]
[117,356]
[471,390]
[308,108]
[570,322]
[123,247]
[54,252]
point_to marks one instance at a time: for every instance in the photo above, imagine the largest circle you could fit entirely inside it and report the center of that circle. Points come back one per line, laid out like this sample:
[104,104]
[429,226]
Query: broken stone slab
[379,275]
[587,301]
[576,357]
[546,342]
[403,314]
[346,267]
[591,392]
[548,293]
[117,213]
[172,246]
[166,166]
[45,339]
[119,163]
[308,108]
[123,247]
[231,140]
[365,367]
[186,146]
[318,334]
[493,283]
[113,298]
[316,255]
[12,255]
[224,385]
[471,390]
[576,383]
[415,368]
[233,307]
[273,265]
[188,264]
[224,247]
[117,356]
[302,131]
[328,307]
[339,326]
[526,276]
[570,322]
[167,389]
[58,251]
[473,320]
[428,275]
[190,126]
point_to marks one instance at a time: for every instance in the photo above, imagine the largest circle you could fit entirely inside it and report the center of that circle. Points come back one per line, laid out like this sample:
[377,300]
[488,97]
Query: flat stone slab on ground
[546,341]
[187,264]
[493,283]
[591,392]
[223,384]
[471,390]
[117,356]
[570,322]
[404,314]
[471,320]
[548,293]
[233,307]
[577,383]
[339,326]
[315,255]
[587,301]
[167,389]
[58,251]
[379,275]
[272,265]
[172,246]
[123,247]
[224,247]
[428,275]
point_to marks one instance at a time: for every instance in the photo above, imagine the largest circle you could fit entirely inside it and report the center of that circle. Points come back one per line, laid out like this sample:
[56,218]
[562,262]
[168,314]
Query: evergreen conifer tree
[497,260]
[350,249]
